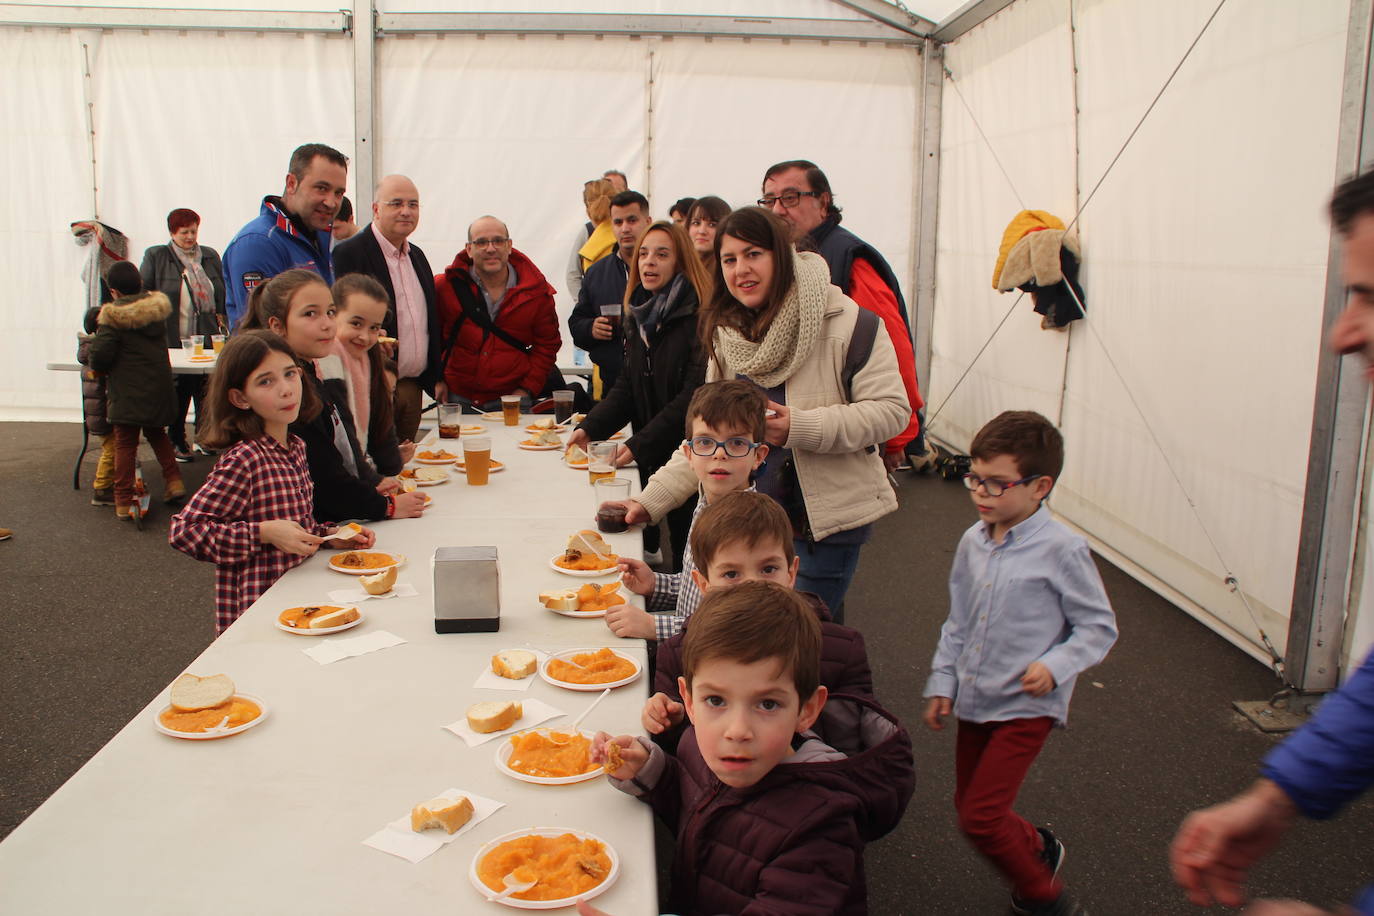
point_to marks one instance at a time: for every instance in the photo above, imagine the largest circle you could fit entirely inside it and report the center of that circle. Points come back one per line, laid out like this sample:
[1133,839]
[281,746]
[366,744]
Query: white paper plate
[582,573]
[494,416]
[419,460]
[428,483]
[587,614]
[544,904]
[504,751]
[558,427]
[219,732]
[296,631]
[398,558]
[567,654]
[471,429]
[496,467]
[537,448]
[576,466]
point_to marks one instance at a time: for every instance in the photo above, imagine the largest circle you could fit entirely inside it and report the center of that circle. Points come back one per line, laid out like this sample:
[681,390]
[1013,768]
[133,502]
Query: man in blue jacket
[1329,761]
[292,230]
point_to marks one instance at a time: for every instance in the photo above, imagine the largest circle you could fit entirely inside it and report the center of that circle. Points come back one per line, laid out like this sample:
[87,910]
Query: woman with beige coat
[834,389]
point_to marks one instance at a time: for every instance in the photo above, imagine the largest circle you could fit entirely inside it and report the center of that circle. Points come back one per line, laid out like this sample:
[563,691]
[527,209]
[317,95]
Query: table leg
[85,444]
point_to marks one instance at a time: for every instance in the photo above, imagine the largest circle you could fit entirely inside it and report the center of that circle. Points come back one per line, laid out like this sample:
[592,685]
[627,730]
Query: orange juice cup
[510,409]
[477,459]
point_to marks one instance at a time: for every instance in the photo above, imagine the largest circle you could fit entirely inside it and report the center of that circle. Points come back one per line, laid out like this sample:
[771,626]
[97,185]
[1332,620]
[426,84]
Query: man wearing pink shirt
[383,252]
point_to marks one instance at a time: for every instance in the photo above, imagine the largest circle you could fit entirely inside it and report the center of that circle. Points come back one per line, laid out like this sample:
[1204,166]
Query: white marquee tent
[1215,450]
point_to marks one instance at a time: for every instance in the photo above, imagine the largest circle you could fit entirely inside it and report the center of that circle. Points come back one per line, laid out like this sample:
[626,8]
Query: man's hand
[289,537]
[629,622]
[660,714]
[577,437]
[601,329]
[407,450]
[441,392]
[778,426]
[892,460]
[1212,853]
[409,505]
[635,513]
[632,754]
[623,456]
[1037,681]
[936,710]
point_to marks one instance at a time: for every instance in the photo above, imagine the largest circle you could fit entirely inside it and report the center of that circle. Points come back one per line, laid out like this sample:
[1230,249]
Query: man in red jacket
[500,331]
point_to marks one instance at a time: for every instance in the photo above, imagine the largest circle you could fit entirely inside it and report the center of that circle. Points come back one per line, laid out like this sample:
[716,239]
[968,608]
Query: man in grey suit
[382,252]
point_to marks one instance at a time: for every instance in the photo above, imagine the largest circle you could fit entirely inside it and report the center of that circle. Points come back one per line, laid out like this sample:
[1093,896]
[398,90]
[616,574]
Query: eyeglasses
[706,447]
[995,488]
[495,242]
[788,199]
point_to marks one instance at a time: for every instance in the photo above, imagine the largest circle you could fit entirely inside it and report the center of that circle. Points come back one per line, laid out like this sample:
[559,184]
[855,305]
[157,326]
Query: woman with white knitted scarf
[776,319]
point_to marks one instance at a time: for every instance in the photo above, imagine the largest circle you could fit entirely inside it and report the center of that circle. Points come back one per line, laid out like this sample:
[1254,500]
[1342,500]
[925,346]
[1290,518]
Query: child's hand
[778,426]
[1037,681]
[388,485]
[407,450]
[635,513]
[660,714]
[364,539]
[636,575]
[409,505]
[936,710]
[586,909]
[632,754]
[289,537]
[629,622]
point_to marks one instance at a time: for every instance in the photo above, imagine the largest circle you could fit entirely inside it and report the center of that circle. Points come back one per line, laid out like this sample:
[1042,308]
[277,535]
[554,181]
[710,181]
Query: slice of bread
[485,718]
[336,618]
[565,600]
[448,814]
[379,584]
[190,693]
[431,473]
[547,437]
[588,541]
[576,455]
[514,663]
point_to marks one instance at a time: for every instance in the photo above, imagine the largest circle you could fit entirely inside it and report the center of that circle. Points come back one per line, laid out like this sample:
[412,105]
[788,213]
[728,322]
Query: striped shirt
[258,480]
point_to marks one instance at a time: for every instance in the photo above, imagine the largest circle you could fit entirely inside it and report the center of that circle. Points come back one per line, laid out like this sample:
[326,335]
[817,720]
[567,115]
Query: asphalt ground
[97,617]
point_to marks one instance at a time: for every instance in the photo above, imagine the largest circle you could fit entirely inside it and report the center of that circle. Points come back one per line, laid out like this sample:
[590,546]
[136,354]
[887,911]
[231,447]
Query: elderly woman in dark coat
[191,276]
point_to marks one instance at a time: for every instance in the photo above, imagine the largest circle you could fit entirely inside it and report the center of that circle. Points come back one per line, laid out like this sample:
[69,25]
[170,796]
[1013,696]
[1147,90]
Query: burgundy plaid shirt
[254,481]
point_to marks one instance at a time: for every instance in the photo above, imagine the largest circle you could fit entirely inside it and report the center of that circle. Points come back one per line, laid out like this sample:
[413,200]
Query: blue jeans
[827,569]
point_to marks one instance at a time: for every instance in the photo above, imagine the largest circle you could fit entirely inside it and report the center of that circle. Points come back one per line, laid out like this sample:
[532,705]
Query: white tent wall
[1205,256]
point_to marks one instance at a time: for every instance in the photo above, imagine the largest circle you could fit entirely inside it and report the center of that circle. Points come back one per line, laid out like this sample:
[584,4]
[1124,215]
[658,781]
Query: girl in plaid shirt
[252,517]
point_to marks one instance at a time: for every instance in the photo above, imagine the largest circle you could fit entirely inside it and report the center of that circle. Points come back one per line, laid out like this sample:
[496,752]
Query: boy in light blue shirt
[1027,615]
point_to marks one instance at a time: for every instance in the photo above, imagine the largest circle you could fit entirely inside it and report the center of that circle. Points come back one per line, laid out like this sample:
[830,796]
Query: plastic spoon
[512,887]
[588,711]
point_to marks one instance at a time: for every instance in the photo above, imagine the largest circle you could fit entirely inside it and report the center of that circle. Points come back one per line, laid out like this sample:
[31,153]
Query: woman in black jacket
[663,366]
[191,276]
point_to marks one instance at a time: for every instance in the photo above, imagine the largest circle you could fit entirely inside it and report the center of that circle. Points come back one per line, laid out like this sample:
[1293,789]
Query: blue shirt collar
[1021,530]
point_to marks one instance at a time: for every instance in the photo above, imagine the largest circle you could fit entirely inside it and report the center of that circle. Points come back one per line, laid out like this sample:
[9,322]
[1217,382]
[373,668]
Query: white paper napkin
[340,647]
[535,712]
[490,680]
[353,596]
[398,839]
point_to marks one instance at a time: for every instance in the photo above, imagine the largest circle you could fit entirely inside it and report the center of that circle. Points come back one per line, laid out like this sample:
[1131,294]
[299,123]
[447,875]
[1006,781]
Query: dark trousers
[409,399]
[190,389]
[126,456]
[990,763]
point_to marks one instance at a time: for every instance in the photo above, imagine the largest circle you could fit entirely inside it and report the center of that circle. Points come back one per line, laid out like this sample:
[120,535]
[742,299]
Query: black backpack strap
[860,348]
[476,309]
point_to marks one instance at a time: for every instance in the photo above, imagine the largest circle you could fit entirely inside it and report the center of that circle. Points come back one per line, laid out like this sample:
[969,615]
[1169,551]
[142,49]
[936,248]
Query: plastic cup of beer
[450,421]
[562,406]
[601,460]
[610,519]
[510,409]
[198,345]
[217,342]
[477,459]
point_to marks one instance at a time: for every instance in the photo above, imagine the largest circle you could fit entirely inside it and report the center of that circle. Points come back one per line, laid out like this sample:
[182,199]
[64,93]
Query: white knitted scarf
[790,338]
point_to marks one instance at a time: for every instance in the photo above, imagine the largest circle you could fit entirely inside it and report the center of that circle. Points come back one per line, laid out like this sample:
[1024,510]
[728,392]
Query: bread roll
[547,437]
[576,455]
[565,600]
[335,618]
[447,813]
[588,541]
[485,718]
[379,584]
[190,693]
[514,663]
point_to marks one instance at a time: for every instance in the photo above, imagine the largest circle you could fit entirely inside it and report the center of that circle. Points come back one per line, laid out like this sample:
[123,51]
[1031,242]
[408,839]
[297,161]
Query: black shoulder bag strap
[860,348]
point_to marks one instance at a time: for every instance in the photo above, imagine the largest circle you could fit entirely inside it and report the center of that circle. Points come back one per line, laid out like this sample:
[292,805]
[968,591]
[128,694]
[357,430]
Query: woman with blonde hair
[663,366]
[594,240]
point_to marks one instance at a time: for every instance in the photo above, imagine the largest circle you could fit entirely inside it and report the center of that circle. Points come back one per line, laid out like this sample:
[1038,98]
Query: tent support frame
[365,153]
[927,204]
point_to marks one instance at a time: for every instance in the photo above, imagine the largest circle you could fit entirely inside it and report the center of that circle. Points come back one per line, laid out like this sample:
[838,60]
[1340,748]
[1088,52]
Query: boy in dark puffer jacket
[775,788]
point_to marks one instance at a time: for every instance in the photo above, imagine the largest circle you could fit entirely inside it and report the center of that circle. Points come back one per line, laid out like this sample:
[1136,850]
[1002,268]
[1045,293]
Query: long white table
[272,820]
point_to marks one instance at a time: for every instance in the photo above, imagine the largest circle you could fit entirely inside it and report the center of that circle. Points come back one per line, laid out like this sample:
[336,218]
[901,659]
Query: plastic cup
[188,346]
[510,409]
[450,421]
[198,345]
[477,459]
[601,460]
[217,342]
[613,313]
[610,518]
[562,406]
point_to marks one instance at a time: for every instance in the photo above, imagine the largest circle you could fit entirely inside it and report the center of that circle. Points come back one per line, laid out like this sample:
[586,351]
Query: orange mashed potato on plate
[599,667]
[299,617]
[551,754]
[239,710]
[584,561]
[593,597]
[565,866]
[440,455]
[361,559]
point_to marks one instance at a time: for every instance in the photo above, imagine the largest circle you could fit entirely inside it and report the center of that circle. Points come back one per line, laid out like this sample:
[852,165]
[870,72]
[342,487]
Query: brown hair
[709,207]
[814,177]
[740,517]
[1029,438]
[243,354]
[303,156]
[730,404]
[687,261]
[751,622]
[1353,198]
[383,413]
[273,298]
[753,226]
[596,198]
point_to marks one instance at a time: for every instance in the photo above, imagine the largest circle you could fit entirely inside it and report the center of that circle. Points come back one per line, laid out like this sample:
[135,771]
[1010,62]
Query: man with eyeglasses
[799,192]
[383,251]
[500,330]
[603,289]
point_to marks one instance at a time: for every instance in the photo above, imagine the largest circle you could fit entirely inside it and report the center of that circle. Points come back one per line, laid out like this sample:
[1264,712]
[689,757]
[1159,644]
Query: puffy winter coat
[93,401]
[791,844]
[130,347]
